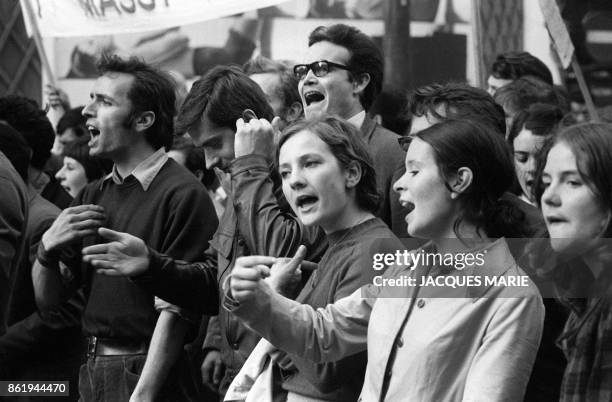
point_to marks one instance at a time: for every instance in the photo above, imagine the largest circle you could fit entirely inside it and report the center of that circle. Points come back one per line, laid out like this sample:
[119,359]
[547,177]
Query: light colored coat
[475,346]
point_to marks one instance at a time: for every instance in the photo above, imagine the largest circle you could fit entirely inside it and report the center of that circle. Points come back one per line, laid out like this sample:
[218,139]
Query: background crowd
[165,244]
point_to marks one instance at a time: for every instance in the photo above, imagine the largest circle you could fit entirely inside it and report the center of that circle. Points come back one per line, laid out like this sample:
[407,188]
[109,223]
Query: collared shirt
[358,119]
[145,172]
[478,346]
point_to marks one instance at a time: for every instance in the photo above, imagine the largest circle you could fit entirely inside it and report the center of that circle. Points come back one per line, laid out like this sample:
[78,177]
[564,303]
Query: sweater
[344,268]
[174,216]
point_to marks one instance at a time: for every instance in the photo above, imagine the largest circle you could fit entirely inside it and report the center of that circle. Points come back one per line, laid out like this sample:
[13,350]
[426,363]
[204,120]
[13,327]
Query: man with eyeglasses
[342,75]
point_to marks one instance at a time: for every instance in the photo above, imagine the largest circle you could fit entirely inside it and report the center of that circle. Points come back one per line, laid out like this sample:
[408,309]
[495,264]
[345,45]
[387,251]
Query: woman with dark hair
[79,168]
[575,194]
[528,132]
[424,342]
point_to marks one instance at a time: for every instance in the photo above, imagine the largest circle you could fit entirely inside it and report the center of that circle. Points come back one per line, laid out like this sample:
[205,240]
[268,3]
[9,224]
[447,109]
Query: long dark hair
[464,143]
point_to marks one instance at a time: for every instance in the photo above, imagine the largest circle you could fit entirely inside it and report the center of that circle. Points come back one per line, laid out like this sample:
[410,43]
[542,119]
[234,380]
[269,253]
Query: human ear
[360,82]
[352,174]
[461,181]
[144,121]
[294,112]
[605,224]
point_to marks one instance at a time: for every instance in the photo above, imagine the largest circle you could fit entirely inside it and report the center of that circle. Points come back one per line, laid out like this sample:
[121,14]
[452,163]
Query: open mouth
[305,201]
[93,130]
[408,206]
[313,97]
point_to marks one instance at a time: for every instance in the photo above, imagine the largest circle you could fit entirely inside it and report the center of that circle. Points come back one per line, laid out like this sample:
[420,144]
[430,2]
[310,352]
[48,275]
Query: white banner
[63,18]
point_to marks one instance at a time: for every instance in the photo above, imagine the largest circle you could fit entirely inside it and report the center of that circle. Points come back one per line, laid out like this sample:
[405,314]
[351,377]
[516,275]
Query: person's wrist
[151,267]
[47,258]
[274,283]
[47,243]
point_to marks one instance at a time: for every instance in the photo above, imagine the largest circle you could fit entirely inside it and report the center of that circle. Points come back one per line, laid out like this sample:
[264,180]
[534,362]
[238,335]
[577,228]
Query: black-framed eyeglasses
[404,141]
[319,68]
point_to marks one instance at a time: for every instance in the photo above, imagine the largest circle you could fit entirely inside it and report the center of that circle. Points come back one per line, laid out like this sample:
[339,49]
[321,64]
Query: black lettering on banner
[104,4]
[119,6]
[89,7]
[128,8]
[147,6]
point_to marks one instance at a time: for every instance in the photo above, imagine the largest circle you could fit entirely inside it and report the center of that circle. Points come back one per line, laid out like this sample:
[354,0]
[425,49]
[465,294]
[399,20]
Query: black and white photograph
[306,200]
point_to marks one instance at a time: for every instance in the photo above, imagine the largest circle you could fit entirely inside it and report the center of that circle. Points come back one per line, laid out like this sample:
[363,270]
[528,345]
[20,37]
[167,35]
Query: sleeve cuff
[155,264]
[249,162]
[48,259]
[186,315]
[229,303]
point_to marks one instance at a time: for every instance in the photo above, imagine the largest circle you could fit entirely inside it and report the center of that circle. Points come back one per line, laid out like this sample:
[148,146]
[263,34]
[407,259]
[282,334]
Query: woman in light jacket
[444,326]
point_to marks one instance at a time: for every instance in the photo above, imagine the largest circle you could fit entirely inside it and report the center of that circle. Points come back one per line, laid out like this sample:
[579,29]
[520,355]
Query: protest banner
[65,18]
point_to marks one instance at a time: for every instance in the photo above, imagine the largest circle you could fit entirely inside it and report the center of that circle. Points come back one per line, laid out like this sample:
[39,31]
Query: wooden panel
[502,29]
[20,70]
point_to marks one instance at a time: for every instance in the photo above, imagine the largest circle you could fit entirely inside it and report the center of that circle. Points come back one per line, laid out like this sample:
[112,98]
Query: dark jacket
[13,221]
[388,158]
[257,221]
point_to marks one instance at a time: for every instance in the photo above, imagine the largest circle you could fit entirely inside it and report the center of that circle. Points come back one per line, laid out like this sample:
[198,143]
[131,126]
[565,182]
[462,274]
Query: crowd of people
[224,250]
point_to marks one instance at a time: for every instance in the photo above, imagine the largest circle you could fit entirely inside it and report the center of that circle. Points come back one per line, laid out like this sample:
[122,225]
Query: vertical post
[584,88]
[396,44]
[38,41]
[477,40]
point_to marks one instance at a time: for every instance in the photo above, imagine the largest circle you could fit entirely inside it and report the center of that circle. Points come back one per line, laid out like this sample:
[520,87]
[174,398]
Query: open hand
[125,254]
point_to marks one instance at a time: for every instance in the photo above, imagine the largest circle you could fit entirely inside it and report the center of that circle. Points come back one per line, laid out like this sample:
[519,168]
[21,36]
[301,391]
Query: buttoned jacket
[474,344]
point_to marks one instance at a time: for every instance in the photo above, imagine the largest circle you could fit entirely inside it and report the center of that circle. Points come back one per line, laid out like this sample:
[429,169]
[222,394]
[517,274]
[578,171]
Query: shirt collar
[358,119]
[145,172]
[497,261]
